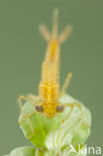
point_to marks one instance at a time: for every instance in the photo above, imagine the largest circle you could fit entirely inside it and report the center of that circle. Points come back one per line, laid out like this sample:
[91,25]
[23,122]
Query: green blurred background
[22,50]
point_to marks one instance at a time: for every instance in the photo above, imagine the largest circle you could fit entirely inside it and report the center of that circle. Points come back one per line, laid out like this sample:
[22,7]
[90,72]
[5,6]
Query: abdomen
[53,51]
[49,85]
[50,66]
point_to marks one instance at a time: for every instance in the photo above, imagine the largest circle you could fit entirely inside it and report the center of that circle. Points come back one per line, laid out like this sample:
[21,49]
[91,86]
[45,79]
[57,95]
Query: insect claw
[31,134]
[85,125]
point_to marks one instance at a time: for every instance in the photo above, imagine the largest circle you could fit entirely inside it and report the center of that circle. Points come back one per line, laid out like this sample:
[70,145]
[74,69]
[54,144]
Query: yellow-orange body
[49,88]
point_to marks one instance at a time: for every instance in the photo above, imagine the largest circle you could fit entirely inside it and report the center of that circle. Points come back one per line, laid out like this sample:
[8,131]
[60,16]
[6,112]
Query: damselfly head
[49,109]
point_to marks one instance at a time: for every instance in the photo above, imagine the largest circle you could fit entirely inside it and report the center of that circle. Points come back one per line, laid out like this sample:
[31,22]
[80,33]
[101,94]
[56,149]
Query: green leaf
[23,151]
[53,133]
[30,151]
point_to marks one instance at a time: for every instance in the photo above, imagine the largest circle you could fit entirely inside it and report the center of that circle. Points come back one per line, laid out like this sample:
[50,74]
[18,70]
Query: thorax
[49,93]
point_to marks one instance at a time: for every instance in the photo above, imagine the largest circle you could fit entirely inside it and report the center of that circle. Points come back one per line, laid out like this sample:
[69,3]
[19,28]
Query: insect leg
[33,97]
[72,105]
[68,115]
[22,97]
[25,116]
[66,83]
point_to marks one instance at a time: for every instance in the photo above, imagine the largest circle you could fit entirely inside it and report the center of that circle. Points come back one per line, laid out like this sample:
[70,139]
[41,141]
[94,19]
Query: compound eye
[60,108]
[39,108]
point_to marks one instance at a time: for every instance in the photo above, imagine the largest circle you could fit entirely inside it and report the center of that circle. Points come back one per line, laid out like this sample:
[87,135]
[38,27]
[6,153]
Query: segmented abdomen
[50,67]
[49,85]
